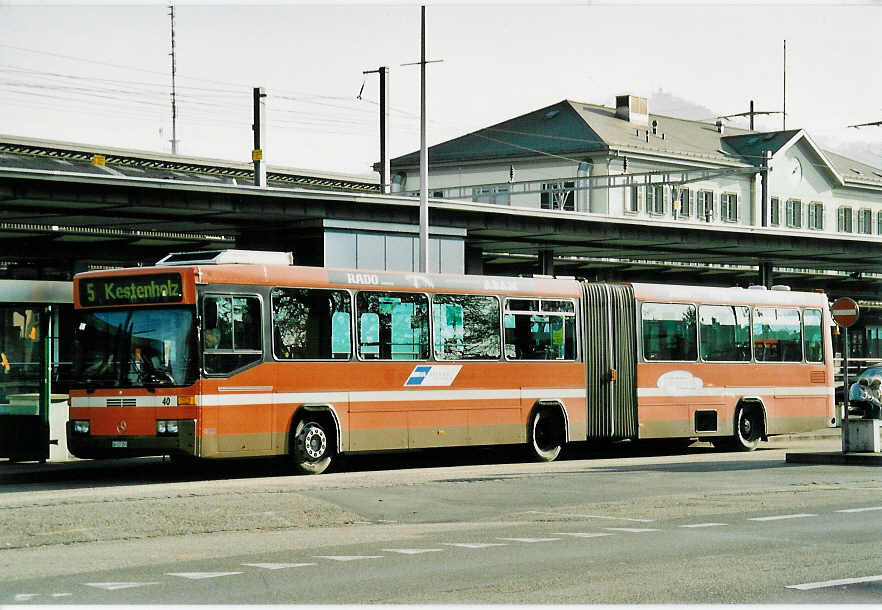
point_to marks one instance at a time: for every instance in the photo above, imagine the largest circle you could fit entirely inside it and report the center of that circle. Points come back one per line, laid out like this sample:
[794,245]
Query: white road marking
[62,594]
[704,525]
[529,540]
[834,583]
[24,597]
[779,517]
[201,575]
[583,534]
[474,545]
[539,512]
[116,586]
[278,566]
[633,530]
[411,551]
[347,557]
[859,510]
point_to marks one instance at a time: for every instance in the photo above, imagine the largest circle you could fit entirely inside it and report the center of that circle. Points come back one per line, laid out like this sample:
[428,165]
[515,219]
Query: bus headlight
[167,427]
[81,426]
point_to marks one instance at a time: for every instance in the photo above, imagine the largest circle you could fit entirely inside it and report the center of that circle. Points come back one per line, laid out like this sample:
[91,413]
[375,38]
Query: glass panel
[669,331]
[371,251]
[399,253]
[393,325]
[340,250]
[539,337]
[776,335]
[558,306]
[134,348]
[725,333]
[466,327]
[20,358]
[232,333]
[311,324]
[813,336]
[522,304]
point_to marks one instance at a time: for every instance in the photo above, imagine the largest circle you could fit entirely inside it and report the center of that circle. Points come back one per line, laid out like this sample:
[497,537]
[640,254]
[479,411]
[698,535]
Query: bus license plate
[116,444]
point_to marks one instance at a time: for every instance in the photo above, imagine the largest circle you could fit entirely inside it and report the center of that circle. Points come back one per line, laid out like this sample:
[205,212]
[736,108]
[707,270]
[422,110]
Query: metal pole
[751,115]
[385,176]
[259,134]
[174,140]
[424,153]
[784,114]
[846,388]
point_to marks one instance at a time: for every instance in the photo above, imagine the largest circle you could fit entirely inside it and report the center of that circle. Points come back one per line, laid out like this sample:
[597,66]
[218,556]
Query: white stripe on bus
[738,391]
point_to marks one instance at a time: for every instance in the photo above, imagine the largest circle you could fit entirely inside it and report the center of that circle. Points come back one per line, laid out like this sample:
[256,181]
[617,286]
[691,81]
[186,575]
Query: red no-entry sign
[845,312]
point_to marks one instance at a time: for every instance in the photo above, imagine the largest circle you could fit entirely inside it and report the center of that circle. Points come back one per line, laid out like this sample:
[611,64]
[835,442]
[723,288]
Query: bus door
[610,360]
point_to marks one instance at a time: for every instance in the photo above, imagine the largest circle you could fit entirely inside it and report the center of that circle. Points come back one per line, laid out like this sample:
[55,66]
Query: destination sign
[131,290]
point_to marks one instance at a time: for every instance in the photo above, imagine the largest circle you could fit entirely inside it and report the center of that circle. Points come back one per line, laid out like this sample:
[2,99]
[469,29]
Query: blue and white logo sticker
[433,375]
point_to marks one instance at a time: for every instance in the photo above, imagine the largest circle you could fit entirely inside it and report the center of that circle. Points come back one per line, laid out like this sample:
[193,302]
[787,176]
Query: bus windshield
[135,348]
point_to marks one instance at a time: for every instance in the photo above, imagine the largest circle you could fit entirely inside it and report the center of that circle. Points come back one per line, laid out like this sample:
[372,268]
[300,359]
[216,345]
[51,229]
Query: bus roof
[728,296]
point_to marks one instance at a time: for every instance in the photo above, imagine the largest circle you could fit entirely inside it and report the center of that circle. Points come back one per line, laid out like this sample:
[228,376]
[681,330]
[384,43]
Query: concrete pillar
[546,262]
[474,264]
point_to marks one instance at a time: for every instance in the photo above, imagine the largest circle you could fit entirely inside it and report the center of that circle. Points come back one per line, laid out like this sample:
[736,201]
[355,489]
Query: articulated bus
[241,353]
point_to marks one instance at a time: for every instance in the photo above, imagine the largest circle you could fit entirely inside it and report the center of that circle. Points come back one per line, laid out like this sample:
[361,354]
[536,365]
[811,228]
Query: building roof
[67,157]
[572,129]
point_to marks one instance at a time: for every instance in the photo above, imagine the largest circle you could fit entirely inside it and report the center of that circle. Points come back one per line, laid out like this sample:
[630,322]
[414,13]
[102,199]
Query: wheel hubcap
[314,442]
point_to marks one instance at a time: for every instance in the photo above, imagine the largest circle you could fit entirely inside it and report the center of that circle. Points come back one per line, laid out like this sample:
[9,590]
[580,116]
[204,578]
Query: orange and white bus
[240,353]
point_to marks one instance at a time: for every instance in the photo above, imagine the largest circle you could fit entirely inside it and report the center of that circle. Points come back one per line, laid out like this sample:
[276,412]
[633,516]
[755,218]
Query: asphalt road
[696,526]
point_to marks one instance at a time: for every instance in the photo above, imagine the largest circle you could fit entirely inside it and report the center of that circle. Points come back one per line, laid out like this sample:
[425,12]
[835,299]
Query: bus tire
[311,446]
[545,434]
[748,430]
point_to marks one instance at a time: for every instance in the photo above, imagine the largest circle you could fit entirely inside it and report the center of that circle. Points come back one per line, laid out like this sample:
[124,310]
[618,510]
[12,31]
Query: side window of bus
[725,333]
[393,325]
[812,335]
[311,324]
[669,331]
[466,327]
[777,335]
[540,329]
[231,333]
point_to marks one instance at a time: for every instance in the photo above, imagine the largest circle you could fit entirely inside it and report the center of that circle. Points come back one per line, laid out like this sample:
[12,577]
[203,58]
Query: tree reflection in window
[311,324]
[393,325]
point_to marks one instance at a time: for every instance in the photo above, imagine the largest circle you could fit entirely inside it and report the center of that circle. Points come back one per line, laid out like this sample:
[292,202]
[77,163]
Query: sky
[100,74]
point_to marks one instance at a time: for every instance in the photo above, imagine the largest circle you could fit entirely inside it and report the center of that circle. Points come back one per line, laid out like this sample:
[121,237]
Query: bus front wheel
[545,435]
[311,447]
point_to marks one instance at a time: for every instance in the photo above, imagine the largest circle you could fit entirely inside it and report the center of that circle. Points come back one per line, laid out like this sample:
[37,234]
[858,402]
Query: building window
[844,220]
[558,196]
[729,207]
[865,221]
[633,205]
[794,213]
[816,215]
[682,206]
[655,199]
[705,205]
[497,194]
[879,223]
[775,212]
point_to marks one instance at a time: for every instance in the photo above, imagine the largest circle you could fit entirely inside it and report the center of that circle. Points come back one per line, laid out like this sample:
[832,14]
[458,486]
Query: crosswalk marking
[780,517]
[411,551]
[278,566]
[859,510]
[835,583]
[116,586]
[633,530]
[474,545]
[348,557]
[201,575]
[583,534]
[704,524]
[529,540]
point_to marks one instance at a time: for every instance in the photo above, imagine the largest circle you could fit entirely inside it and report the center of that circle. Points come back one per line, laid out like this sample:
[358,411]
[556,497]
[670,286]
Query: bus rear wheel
[545,435]
[748,430]
[311,447]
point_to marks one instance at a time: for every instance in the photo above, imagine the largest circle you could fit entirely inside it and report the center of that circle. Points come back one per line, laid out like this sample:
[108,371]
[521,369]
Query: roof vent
[632,109]
[756,287]
[781,287]
[228,257]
